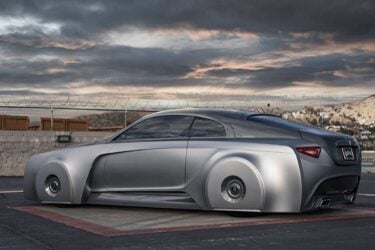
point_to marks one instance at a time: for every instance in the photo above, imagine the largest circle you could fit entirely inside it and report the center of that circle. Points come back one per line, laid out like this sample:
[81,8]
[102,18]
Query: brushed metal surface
[145,166]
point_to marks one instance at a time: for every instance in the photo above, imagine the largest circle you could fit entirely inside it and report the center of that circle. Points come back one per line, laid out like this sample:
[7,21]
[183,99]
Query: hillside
[361,112]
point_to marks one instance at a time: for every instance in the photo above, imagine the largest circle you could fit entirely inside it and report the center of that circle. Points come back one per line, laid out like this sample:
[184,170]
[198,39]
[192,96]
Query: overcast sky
[188,49]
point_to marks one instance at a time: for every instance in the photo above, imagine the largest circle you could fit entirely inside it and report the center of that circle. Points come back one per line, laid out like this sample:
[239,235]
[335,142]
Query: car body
[203,159]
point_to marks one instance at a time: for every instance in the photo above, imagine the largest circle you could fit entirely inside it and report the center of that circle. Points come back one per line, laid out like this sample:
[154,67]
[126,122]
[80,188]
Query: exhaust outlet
[325,203]
[350,197]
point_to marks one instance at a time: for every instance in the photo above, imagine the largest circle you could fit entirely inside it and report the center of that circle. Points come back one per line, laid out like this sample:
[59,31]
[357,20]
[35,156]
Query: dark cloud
[76,53]
[108,65]
[333,70]
[346,19]
[122,65]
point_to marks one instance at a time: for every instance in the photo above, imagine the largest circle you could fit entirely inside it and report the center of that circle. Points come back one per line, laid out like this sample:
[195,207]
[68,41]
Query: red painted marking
[109,231]
[69,221]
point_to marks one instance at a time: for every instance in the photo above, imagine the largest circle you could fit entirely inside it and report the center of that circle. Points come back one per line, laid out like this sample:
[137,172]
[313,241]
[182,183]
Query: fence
[132,109]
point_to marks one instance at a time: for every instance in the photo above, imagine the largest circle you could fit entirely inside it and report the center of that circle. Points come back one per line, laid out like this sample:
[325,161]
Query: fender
[235,168]
[54,169]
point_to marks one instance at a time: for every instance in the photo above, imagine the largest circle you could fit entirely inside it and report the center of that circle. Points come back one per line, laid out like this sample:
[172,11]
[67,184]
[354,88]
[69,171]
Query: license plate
[348,153]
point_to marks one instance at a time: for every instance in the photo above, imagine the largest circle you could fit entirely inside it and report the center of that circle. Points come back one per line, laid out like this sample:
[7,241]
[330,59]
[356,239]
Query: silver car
[203,159]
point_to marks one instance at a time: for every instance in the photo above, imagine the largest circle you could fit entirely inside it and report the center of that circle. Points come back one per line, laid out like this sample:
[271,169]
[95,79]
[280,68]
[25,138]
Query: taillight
[310,151]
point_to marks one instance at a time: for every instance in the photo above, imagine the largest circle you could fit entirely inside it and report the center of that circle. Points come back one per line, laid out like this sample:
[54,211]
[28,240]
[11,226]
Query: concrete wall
[16,147]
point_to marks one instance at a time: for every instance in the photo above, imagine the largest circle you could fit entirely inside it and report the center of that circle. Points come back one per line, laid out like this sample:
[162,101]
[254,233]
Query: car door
[149,156]
[204,138]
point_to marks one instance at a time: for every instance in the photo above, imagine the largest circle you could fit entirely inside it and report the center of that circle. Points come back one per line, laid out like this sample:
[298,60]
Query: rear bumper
[334,191]
[324,182]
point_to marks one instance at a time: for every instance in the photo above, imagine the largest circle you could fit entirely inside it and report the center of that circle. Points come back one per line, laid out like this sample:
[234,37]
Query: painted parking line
[370,195]
[133,221]
[10,191]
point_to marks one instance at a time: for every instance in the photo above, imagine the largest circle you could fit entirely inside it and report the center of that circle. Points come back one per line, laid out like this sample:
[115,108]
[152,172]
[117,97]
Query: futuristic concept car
[203,159]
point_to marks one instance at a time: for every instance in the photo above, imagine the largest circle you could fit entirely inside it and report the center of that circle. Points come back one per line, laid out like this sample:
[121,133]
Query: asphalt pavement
[23,230]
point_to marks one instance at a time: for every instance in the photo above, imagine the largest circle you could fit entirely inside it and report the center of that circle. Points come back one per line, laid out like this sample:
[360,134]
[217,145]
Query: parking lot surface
[28,225]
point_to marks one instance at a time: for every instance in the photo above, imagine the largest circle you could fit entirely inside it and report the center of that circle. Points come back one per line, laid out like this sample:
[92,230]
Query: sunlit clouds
[188,50]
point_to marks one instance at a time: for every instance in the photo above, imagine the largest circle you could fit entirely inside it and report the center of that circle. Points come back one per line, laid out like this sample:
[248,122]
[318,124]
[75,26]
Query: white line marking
[11,191]
[371,195]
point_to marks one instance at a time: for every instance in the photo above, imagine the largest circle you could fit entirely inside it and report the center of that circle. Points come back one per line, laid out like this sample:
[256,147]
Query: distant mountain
[363,112]
[360,112]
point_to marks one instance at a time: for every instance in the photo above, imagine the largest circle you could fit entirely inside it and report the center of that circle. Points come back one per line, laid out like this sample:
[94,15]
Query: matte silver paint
[189,172]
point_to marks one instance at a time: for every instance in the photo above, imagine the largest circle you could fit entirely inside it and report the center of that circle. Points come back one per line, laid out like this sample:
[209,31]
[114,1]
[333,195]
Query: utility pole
[51,118]
[126,116]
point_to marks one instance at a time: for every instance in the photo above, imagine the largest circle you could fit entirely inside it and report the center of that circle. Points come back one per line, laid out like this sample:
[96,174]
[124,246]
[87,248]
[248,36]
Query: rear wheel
[234,184]
[233,189]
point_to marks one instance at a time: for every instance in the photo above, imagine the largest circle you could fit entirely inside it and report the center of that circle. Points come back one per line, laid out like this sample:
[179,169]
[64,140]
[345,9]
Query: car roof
[219,114]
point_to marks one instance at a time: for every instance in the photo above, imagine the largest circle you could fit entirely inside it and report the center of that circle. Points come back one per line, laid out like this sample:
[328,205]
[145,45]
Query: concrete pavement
[99,227]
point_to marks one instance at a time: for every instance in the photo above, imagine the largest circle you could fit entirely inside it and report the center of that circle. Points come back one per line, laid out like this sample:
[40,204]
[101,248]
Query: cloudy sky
[194,50]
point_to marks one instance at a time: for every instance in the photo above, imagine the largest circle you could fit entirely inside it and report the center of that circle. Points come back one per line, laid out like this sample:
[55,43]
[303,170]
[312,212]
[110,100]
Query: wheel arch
[235,166]
[58,169]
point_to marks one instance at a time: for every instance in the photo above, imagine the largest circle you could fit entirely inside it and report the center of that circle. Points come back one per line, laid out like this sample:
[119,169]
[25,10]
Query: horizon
[77,109]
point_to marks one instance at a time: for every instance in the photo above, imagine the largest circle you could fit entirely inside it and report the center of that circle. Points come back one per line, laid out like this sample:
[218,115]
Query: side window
[256,129]
[206,128]
[169,126]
